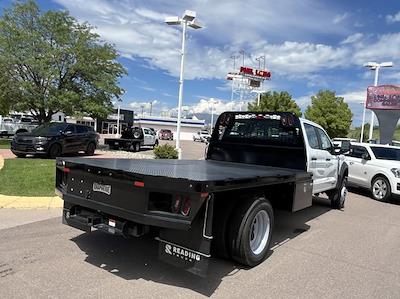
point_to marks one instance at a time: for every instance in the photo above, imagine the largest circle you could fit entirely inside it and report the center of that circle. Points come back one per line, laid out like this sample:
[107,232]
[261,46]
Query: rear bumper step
[90,222]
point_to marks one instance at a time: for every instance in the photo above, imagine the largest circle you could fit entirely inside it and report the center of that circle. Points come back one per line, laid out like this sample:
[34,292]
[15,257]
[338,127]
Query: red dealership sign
[244,70]
[384,97]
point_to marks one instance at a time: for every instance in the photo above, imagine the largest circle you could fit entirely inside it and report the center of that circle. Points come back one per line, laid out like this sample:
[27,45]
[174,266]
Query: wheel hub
[259,232]
[379,189]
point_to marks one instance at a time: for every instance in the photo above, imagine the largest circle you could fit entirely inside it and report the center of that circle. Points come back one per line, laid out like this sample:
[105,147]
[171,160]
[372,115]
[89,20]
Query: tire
[136,147]
[90,149]
[380,189]
[338,196]
[250,231]
[219,244]
[137,133]
[155,144]
[55,151]
[20,155]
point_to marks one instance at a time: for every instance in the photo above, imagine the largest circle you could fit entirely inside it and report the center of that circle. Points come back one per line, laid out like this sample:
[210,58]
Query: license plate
[106,189]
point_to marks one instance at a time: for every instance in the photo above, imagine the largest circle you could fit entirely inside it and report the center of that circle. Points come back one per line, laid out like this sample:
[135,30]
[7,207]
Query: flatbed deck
[202,171]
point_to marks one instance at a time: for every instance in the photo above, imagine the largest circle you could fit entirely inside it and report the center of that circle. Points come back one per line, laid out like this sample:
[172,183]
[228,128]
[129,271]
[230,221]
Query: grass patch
[5,144]
[28,177]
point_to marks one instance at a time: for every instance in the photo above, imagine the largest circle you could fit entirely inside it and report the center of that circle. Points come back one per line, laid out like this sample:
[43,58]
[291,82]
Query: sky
[309,45]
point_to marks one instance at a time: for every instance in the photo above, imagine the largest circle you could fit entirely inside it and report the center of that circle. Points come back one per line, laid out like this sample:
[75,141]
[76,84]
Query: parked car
[165,135]
[223,205]
[375,167]
[55,139]
[202,136]
[132,139]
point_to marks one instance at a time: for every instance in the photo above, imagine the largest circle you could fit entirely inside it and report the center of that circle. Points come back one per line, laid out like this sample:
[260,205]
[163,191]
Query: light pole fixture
[375,67]
[188,19]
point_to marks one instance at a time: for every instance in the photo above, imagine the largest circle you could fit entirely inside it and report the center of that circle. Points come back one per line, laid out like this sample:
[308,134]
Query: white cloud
[217,105]
[385,47]
[354,96]
[138,31]
[390,19]
[146,105]
[352,38]
[340,18]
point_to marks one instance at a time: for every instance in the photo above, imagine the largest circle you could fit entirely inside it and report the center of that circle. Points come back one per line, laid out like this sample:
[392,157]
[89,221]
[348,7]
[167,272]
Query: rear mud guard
[189,249]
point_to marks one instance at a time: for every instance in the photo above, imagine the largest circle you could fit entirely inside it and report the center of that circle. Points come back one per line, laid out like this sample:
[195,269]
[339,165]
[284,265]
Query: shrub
[165,151]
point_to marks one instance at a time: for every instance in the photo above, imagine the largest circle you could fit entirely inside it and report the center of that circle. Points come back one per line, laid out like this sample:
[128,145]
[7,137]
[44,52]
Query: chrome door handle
[328,159]
[313,159]
[351,163]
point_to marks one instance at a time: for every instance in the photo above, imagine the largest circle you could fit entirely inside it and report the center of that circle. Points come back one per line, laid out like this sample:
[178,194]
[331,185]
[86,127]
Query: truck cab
[322,160]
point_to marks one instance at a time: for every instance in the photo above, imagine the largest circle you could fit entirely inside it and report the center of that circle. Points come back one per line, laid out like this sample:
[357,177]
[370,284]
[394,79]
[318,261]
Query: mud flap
[189,249]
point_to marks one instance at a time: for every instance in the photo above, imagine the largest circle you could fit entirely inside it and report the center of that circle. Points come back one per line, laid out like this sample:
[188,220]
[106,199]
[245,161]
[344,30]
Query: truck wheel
[380,189]
[137,133]
[136,147]
[250,231]
[90,149]
[20,155]
[338,196]
[155,144]
[55,151]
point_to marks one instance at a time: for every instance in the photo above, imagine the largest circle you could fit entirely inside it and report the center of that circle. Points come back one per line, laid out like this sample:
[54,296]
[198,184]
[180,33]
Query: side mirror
[365,157]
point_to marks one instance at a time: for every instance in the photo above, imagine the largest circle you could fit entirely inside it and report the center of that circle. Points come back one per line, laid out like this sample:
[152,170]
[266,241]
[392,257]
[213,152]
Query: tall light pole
[212,113]
[186,20]
[363,121]
[374,66]
[259,92]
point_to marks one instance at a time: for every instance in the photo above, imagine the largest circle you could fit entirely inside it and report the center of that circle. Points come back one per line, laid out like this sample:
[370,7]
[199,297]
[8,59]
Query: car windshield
[52,128]
[386,153]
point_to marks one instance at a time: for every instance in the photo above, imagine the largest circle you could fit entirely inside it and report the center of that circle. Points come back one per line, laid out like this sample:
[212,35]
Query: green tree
[49,63]
[331,112]
[275,101]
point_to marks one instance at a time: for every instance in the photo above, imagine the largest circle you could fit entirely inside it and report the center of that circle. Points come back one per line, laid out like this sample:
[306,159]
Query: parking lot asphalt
[316,253]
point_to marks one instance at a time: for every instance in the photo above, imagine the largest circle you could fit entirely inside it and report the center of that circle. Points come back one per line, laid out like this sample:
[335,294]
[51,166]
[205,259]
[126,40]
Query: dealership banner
[383,97]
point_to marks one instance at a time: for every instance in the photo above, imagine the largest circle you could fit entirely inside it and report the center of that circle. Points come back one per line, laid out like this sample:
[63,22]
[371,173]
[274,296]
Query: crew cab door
[149,138]
[321,162]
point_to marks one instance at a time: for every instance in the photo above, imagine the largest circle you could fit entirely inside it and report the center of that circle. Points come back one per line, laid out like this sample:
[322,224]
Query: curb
[28,202]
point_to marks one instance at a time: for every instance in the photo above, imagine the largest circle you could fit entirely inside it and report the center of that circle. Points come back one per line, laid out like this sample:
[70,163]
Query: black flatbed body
[205,175]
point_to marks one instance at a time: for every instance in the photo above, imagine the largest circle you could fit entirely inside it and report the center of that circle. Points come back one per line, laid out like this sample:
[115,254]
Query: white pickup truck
[223,205]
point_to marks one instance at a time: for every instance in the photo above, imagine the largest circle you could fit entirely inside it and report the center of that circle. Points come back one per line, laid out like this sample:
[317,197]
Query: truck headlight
[396,172]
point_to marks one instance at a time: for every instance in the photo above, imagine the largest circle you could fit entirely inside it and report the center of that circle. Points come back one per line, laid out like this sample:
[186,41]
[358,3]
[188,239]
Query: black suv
[55,139]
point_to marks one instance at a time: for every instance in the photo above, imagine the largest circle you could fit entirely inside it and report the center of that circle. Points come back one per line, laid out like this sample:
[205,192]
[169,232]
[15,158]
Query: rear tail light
[186,205]
[138,184]
[66,170]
